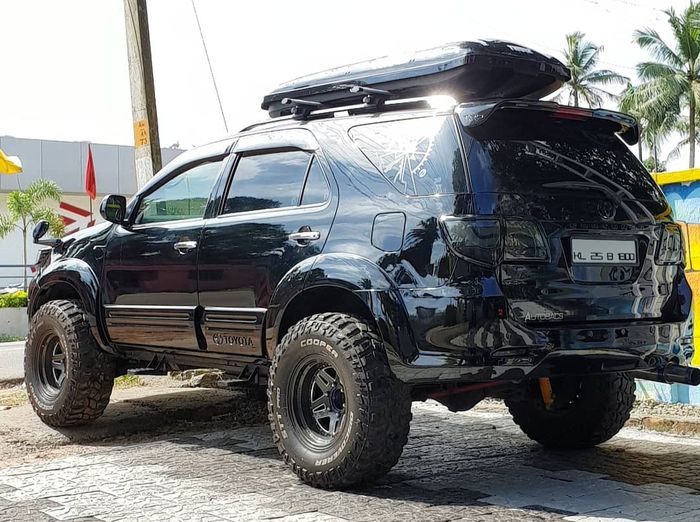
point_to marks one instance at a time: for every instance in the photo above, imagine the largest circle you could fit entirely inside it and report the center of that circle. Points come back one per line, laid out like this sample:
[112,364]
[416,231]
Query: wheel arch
[71,279]
[343,283]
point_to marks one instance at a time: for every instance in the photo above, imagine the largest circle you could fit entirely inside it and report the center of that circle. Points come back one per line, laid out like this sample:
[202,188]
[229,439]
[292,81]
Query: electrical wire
[211,71]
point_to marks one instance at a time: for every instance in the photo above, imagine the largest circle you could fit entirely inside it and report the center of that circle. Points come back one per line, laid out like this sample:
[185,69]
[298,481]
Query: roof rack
[309,112]
[467,71]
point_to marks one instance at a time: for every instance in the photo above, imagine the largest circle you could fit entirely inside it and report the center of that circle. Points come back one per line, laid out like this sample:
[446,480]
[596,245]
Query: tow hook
[546,391]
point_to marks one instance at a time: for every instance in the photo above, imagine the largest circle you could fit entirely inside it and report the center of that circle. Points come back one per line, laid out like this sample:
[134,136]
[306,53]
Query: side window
[316,189]
[266,181]
[183,197]
[419,156]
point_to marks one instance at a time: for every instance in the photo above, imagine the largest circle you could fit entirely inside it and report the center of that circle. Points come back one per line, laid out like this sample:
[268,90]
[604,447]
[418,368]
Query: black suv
[364,249]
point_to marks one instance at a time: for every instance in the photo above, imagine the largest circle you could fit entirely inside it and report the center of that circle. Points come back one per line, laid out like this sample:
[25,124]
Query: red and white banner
[75,218]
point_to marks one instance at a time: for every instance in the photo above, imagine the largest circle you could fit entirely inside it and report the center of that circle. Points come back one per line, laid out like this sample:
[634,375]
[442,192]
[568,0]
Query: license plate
[603,252]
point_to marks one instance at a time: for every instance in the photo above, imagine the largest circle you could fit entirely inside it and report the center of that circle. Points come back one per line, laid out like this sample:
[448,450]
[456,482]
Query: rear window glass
[419,156]
[551,155]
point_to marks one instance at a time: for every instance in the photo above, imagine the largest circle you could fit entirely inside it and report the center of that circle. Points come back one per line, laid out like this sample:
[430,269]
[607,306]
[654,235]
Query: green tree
[670,83]
[654,127]
[581,58]
[25,208]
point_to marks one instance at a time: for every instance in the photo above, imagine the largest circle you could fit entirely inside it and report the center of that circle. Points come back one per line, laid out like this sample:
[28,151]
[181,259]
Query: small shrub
[128,381]
[14,300]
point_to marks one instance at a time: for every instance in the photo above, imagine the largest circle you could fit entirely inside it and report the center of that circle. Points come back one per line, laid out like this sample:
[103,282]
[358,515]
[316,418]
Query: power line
[211,71]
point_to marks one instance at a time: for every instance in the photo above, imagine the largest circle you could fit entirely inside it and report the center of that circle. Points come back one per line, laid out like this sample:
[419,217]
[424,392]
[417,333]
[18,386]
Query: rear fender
[354,274]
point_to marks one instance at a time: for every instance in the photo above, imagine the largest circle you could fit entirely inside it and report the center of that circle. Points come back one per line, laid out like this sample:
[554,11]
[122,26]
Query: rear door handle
[183,246]
[306,235]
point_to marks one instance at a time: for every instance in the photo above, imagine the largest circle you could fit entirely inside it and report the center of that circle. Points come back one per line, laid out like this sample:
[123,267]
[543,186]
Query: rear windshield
[538,153]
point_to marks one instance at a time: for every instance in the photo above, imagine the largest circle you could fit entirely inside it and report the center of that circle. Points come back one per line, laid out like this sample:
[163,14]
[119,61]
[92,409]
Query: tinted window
[316,189]
[538,155]
[420,156]
[267,181]
[183,197]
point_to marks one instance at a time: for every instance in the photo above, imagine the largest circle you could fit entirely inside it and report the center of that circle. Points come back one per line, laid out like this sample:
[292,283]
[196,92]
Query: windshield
[541,154]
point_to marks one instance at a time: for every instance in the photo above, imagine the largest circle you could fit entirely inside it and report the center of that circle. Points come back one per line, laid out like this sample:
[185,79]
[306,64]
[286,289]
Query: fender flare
[355,274]
[79,276]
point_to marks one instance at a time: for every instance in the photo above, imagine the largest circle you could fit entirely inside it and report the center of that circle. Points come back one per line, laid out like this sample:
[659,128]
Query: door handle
[182,246]
[306,235]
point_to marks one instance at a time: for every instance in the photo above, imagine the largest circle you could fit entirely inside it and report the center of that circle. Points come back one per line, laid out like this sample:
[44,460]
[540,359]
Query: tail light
[670,251]
[525,241]
[487,239]
[477,239]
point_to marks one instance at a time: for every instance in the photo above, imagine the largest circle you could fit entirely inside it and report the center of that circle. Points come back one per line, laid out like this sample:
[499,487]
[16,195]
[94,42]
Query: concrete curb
[670,425]
[10,383]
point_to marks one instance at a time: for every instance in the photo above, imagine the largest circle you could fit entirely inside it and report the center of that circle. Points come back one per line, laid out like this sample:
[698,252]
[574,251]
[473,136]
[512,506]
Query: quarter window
[419,156]
[316,189]
[183,197]
[266,181]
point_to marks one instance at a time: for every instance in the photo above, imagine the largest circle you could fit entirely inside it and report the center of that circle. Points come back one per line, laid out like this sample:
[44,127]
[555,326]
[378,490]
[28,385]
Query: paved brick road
[473,466]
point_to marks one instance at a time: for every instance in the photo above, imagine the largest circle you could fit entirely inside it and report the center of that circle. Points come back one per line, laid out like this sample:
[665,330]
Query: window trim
[275,150]
[171,176]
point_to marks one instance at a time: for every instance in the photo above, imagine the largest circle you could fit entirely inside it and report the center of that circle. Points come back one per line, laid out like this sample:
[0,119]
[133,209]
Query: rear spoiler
[473,115]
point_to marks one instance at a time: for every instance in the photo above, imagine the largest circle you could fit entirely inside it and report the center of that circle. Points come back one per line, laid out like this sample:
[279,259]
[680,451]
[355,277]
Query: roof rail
[316,113]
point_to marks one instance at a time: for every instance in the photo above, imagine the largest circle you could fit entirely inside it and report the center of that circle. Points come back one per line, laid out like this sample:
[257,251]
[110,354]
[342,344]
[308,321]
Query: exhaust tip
[693,376]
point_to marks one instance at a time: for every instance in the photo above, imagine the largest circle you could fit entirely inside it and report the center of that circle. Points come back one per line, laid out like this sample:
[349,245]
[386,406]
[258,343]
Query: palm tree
[654,127]
[670,83]
[26,208]
[581,58]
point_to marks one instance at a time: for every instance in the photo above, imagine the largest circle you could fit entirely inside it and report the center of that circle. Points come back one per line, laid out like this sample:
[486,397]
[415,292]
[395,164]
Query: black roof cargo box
[467,71]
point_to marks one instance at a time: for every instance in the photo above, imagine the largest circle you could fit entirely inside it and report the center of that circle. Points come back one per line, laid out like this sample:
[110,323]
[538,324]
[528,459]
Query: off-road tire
[89,372]
[378,406]
[599,409]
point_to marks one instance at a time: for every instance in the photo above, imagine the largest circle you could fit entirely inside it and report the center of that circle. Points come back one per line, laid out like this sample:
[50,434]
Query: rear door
[566,181]
[276,211]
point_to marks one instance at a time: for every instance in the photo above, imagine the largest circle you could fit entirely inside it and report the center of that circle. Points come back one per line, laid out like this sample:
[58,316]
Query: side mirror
[40,230]
[113,209]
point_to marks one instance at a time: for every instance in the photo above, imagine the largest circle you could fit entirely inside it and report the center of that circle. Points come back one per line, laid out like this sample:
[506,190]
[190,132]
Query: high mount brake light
[571,114]
[670,250]
[486,239]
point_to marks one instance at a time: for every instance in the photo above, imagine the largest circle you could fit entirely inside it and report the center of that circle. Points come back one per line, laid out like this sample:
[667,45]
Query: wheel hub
[52,364]
[319,404]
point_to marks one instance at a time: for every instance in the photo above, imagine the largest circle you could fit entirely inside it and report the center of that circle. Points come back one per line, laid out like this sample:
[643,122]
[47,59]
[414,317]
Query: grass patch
[4,338]
[15,398]
[128,381]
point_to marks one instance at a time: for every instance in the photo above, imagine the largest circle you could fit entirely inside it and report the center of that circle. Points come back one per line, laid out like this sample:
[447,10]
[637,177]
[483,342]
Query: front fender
[355,274]
[81,278]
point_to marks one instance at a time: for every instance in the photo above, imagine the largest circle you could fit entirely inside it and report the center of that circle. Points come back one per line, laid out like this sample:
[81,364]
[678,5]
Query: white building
[64,162]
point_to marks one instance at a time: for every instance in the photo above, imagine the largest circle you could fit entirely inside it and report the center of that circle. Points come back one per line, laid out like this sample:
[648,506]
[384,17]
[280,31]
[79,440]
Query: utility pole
[143,96]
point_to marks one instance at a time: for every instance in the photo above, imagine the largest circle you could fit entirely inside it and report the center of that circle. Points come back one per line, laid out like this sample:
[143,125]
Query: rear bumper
[453,338]
[553,352]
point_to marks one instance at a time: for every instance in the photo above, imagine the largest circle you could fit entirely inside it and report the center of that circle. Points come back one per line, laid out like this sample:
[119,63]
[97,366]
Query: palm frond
[42,190]
[56,225]
[650,40]
[604,77]
[7,225]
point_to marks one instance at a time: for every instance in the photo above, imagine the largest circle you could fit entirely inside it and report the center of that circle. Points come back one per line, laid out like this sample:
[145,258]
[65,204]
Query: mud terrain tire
[69,378]
[586,410]
[342,358]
